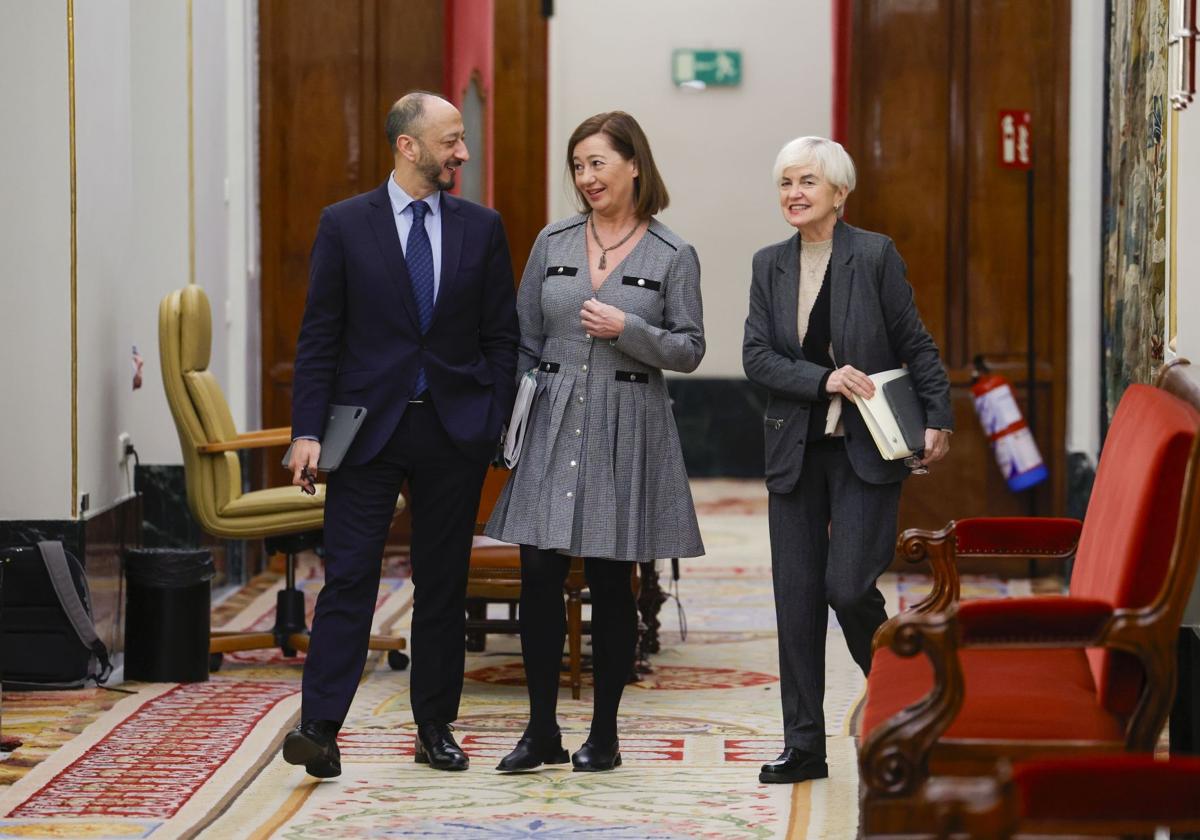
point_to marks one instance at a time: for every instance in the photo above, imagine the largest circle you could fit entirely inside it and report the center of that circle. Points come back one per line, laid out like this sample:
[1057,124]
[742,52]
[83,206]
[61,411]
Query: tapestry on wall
[1135,196]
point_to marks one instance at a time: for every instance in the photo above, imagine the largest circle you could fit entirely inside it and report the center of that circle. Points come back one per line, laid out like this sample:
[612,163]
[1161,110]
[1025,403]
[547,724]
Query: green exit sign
[707,68]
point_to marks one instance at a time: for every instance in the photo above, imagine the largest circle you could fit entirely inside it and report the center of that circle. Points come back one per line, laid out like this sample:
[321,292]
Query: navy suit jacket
[361,343]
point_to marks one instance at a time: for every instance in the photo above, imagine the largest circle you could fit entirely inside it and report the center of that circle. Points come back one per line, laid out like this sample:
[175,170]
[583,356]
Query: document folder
[894,416]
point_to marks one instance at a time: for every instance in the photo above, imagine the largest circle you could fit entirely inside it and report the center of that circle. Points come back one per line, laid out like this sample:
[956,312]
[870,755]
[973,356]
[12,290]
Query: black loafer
[592,758]
[436,747]
[314,744]
[794,765]
[532,752]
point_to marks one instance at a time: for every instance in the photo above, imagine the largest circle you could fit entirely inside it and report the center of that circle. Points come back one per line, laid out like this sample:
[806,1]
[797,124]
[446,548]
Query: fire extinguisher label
[997,410]
[1017,453]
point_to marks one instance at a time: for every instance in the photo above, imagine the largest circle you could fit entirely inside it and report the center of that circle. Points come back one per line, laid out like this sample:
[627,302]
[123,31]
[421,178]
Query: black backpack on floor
[47,636]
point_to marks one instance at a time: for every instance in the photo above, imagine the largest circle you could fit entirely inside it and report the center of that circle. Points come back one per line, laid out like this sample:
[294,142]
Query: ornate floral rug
[182,761]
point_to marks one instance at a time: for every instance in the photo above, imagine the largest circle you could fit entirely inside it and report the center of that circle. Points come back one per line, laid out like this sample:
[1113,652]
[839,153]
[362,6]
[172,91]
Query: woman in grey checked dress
[609,299]
[829,306]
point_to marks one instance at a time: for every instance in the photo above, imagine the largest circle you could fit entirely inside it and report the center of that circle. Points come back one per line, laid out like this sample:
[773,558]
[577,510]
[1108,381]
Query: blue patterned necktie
[419,257]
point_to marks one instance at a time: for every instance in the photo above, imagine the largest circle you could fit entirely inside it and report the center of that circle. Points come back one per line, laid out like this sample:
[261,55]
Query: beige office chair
[286,519]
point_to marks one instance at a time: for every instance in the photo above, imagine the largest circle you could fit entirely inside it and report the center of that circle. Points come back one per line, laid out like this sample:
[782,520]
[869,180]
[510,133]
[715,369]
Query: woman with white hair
[829,306]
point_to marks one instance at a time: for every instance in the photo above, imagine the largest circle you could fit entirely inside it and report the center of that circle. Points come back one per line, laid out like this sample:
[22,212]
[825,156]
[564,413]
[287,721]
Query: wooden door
[328,72]
[925,82]
[520,135]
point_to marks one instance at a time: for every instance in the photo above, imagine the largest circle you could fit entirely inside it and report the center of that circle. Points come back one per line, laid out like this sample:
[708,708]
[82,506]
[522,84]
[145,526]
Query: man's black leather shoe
[532,752]
[794,765]
[436,747]
[591,758]
[314,744]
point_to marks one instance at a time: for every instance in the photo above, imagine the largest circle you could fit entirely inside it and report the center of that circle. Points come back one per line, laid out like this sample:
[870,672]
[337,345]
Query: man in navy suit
[410,312]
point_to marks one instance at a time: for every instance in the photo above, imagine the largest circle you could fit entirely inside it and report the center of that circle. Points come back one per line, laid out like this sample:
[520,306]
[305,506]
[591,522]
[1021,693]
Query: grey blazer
[875,327]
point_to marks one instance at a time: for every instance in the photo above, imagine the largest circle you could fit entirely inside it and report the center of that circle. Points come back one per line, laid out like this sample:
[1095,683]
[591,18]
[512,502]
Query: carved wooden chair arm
[916,546]
[937,547]
[979,807]
[894,759]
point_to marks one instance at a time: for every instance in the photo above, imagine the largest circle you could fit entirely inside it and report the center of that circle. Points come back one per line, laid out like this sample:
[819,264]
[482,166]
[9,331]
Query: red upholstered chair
[1023,677]
[1105,795]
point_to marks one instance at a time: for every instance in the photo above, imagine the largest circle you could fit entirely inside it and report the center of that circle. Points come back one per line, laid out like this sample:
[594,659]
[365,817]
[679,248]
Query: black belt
[829,443]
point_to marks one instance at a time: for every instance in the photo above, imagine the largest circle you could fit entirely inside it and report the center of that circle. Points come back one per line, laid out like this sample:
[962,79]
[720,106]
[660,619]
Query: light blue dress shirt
[433,224]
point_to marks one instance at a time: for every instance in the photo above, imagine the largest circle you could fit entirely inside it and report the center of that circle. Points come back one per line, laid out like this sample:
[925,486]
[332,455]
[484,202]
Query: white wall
[209,52]
[35,340]
[1088,23]
[108,303]
[243,349]
[715,148]
[158,83]
[1187,250]
[1187,254]
[133,227]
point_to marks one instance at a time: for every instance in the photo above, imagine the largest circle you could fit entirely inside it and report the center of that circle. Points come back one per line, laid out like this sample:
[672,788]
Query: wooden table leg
[650,601]
[575,639]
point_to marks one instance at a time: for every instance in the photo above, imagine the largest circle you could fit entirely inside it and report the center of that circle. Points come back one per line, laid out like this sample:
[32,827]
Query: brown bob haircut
[627,138]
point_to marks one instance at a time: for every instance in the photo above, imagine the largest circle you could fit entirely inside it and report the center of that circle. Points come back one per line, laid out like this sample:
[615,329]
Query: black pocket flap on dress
[632,376]
[561,271]
[643,282]
[548,367]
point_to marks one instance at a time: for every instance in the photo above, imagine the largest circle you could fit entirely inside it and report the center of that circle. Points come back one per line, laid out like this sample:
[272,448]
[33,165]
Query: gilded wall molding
[1173,236]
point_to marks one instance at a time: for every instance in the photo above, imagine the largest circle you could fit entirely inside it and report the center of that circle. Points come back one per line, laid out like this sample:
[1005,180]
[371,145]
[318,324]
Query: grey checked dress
[601,471]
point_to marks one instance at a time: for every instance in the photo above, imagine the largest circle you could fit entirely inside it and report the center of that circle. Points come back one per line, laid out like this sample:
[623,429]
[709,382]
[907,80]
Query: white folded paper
[515,436]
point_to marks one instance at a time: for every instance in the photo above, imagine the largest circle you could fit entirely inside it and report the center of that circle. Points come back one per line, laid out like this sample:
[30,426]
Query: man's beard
[428,166]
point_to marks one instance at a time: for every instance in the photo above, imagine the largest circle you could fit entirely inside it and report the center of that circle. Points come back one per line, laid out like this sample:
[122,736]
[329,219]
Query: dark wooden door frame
[849,105]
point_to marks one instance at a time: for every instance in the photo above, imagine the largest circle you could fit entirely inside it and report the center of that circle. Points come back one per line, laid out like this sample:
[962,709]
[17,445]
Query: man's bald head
[408,114]
[428,142]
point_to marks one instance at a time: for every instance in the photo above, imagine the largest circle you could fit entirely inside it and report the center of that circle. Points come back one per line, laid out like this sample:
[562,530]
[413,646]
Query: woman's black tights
[544,628]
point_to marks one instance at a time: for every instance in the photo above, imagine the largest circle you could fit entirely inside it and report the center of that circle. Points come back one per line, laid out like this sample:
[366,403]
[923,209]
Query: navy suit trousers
[444,486]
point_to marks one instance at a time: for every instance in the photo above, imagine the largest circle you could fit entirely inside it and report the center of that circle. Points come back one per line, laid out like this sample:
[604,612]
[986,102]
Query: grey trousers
[831,538]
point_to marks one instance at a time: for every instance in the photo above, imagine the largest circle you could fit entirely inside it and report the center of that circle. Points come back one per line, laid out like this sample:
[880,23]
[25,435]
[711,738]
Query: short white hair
[831,161]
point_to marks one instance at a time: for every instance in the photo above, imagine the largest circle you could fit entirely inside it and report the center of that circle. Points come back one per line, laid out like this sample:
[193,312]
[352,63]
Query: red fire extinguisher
[1016,450]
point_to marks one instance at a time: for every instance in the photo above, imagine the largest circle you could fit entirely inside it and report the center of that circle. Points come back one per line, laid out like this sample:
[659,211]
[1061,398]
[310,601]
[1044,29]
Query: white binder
[894,416]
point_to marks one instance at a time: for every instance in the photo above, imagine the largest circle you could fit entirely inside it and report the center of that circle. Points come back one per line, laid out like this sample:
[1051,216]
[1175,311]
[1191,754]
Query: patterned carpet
[177,761]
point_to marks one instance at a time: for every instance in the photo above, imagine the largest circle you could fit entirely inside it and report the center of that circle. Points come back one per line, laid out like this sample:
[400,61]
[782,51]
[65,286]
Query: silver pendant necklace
[604,251]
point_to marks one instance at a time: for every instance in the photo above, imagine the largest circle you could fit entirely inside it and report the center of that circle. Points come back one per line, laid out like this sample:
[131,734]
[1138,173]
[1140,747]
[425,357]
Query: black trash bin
[167,614]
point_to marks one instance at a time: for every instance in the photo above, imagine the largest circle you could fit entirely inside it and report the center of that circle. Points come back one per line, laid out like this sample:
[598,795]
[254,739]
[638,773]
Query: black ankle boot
[532,752]
[794,765]
[592,757]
